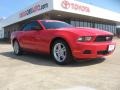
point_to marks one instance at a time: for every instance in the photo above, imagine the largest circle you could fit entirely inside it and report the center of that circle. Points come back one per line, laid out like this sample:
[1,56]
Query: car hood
[86,31]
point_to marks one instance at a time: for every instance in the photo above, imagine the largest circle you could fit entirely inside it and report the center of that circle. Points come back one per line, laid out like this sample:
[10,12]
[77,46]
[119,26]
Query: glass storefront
[99,25]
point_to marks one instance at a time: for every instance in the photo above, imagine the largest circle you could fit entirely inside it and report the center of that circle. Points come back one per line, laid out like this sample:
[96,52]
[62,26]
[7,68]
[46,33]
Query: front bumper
[89,50]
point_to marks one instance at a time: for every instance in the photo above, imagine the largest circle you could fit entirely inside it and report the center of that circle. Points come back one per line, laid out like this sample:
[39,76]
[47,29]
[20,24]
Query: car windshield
[55,24]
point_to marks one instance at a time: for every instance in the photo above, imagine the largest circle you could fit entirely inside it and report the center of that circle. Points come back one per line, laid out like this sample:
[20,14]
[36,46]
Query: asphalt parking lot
[39,72]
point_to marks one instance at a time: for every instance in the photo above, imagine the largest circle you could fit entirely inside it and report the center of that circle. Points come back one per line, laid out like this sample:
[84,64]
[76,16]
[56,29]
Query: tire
[17,48]
[61,52]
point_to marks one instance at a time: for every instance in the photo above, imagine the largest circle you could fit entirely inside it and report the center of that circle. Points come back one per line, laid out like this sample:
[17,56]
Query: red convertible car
[62,41]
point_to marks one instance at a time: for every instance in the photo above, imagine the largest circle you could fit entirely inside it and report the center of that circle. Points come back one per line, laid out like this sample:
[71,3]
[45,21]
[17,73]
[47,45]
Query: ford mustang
[62,41]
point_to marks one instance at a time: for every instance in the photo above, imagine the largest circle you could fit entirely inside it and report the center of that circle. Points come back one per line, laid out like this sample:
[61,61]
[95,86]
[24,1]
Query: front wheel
[61,52]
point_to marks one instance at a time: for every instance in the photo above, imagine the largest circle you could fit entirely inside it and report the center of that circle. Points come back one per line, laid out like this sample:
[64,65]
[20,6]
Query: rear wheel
[61,52]
[16,48]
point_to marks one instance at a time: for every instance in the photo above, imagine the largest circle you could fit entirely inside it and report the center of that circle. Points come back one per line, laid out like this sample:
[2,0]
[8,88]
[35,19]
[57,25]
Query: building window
[88,24]
[73,23]
[81,24]
[102,26]
[85,24]
[77,24]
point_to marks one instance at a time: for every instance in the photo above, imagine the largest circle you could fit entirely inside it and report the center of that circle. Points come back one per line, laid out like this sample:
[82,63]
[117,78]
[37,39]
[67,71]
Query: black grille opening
[103,52]
[87,52]
[103,38]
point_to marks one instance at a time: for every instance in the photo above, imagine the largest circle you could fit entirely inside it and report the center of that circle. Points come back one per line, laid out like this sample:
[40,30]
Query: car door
[42,40]
[28,37]
[37,36]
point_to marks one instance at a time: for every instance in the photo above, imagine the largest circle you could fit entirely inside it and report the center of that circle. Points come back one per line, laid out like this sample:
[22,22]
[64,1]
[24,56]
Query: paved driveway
[39,72]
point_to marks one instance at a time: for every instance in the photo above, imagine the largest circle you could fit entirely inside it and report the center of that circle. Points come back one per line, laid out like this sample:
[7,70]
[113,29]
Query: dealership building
[74,12]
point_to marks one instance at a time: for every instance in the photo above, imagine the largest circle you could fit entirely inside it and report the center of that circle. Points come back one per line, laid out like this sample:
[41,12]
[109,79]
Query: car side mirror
[36,28]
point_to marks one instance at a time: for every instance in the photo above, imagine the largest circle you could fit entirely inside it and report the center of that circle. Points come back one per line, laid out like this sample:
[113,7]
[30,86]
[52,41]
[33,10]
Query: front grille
[103,38]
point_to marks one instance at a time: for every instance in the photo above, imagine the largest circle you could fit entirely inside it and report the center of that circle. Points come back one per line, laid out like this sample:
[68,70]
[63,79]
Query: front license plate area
[111,48]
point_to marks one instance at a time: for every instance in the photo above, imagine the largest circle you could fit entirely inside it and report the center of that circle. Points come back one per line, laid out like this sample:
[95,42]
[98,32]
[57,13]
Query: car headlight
[85,38]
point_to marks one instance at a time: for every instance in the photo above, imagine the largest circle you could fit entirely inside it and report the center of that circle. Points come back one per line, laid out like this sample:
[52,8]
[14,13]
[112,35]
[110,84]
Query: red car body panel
[40,41]
[93,47]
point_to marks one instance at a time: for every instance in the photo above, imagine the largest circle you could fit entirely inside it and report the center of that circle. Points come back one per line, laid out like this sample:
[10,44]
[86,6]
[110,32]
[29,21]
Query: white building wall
[77,7]
[1,33]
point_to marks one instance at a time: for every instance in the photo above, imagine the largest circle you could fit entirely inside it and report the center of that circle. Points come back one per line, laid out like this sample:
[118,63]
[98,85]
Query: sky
[9,7]
[113,5]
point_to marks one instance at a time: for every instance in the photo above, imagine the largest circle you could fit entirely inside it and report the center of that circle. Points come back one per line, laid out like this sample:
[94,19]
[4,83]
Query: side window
[32,26]
[26,27]
[35,26]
